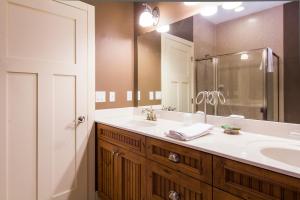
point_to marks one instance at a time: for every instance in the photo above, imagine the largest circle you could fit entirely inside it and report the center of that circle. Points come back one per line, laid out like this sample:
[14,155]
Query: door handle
[81,119]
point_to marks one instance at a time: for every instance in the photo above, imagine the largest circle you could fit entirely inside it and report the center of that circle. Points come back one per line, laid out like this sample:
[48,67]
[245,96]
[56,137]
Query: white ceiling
[250,7]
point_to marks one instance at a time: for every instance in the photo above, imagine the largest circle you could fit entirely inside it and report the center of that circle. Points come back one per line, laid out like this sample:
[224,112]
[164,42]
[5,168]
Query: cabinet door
[131,176]
[163,182]
[106,168]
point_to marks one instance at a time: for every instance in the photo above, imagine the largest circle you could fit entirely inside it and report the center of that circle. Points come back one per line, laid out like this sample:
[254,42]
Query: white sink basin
[285,155]
[140,123]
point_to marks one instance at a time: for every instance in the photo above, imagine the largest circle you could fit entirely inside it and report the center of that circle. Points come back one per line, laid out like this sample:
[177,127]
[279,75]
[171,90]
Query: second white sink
[285,155]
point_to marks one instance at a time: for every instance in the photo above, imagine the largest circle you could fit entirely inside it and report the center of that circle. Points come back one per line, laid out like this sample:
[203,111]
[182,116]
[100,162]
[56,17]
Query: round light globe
[146,19]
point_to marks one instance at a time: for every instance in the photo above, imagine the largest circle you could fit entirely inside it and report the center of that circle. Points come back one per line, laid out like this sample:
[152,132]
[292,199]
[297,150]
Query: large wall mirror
[247,54]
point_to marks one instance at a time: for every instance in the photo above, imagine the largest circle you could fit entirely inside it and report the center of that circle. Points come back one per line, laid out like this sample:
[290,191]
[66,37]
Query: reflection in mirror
[240,53]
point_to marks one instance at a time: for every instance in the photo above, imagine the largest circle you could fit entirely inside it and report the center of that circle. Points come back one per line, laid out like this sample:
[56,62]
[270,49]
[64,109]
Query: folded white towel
[190,132]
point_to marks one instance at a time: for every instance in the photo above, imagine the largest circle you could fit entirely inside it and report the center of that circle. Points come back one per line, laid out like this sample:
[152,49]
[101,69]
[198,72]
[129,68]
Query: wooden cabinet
[221,195]
[134,167]
[253,183]
[121,173]
[165,183]
[188,161]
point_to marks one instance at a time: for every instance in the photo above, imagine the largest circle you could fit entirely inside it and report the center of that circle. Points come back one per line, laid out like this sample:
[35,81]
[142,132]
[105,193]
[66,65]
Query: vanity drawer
[125,139]
[252,183]
[185,160]
[163,182]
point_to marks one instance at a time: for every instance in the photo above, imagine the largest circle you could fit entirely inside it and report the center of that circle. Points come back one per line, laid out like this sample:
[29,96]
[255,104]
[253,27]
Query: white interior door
[43,91]
[177,73]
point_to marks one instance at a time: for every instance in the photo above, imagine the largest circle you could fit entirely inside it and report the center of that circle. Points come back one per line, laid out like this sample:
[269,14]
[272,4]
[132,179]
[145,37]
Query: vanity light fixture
[149,17]
[244,56]
[208,10]
[239,9]
[231,5]
[163,29]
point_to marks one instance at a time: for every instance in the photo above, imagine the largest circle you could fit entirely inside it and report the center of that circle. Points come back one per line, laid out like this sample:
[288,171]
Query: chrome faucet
[150,112]
[168,108]
[210,97]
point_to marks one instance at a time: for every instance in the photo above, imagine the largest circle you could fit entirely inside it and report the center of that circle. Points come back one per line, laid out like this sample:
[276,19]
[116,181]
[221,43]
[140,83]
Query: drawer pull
[174,157]
[174,195]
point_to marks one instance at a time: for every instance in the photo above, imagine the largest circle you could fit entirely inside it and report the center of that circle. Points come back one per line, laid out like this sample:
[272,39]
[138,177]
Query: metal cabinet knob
[81,119]
[174,195]
[174,157]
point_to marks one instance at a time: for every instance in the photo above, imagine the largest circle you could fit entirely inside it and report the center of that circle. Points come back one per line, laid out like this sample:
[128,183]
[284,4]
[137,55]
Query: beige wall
[149,66]
[204,37]
[114,51]
[263,29]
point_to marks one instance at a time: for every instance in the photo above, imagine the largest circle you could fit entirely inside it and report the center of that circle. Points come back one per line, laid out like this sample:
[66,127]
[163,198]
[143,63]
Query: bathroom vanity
[136,161]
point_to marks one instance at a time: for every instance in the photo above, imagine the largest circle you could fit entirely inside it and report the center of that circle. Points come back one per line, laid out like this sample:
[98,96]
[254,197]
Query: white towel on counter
[189,132]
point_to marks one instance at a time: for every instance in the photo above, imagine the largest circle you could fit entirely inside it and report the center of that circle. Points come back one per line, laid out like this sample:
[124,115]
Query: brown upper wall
[114,51]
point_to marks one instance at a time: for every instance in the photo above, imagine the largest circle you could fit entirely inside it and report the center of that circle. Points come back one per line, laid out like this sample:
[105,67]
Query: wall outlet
[151,95]
[100,96]
[139,95]
[112,96]
[158,95]
[129,95]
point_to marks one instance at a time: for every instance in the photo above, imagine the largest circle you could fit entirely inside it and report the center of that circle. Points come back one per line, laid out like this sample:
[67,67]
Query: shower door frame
[265,64]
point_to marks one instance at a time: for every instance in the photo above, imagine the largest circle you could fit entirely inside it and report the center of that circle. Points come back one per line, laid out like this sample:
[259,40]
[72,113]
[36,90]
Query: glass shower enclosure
[249,81]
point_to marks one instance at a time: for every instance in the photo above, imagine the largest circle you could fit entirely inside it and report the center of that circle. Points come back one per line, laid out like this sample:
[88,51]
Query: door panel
[43,21]
[22,135]
[43,76]
[64,153]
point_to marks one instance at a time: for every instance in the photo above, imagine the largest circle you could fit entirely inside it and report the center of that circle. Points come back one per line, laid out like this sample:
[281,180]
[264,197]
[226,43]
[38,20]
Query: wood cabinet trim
[125,139]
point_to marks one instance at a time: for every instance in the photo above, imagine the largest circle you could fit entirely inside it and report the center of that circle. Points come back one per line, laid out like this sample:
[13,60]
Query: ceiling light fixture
[149,17]
[208,10]
[231,5]
[163,29]
[239,9]
[244,56]
[191,3]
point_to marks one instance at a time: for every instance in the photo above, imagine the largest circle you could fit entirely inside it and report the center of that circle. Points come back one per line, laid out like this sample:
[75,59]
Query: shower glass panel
[240,77]
[205,75]
[248,80]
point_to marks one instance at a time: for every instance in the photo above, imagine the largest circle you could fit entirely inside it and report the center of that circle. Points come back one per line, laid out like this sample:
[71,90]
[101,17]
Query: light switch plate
[112,96]
[151,95]
[129,95]
[100,96]
[158,95]
[139,95]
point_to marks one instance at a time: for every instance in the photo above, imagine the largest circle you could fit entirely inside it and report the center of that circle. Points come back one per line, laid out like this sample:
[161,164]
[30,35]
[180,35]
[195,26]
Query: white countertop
[246,147]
